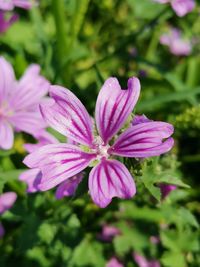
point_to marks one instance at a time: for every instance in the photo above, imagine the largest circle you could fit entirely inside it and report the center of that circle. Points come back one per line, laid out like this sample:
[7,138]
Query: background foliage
[79,44]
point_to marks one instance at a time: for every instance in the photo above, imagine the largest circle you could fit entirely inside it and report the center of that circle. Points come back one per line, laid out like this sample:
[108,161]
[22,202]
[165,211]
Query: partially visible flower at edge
[113,262]
[177,45]
[6,202]
[5,23]
[181,7]
[19,102]
[109,178]
[143,262]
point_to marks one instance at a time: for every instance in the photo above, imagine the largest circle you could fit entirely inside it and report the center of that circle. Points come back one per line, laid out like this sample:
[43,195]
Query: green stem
[58,9]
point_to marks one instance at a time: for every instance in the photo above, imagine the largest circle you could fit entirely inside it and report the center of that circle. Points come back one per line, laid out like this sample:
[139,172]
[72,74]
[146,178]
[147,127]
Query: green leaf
[88,253]
[172,259]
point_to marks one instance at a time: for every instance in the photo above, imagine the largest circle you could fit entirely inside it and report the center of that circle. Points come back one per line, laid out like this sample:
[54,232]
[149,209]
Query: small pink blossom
[5,23]
[108,233]
[154,239]
[109,178]
[177,45]
[19,102]
[143,262]
[181,7]
[113,262]
[166,189]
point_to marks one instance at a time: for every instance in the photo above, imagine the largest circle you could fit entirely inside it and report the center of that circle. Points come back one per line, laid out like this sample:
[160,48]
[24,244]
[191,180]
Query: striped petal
[68,116]
[7,79]
[110,178]
[57,163]
[30,90]
[28,121]
[144,140]
[114,105]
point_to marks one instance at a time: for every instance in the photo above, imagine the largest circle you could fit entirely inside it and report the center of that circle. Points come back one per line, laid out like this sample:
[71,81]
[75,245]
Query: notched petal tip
[109,179]
[114,105]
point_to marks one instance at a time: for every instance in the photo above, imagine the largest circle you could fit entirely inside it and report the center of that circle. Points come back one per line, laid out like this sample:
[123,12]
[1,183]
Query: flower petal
[110,178]
[30,90]
[182,7]
[6,5]
[58,162]
[6,135]
[68,187]
[144,140]
[44,138]
[114,105]
[7,79]
[28,121]
[26,4]
[6,201]
[68,116]
[32,178]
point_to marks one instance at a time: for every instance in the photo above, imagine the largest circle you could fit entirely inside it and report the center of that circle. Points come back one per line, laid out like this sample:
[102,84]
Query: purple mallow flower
[33,177]
[5,23]
[108,233]
[166,189]
[19,102]
[6,202]
[11,4]
[177,45]
[109,178]
[113,262]
[143,262]
[181,7]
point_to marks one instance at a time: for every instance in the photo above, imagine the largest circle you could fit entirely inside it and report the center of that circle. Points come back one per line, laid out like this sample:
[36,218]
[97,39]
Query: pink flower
[108,233]
[176,44]
[6,201]
[6,23]
[19,102]
[11,4]
[33,177]
[166,189]
[181,7]
[143,262]
[113,262]
[109,178]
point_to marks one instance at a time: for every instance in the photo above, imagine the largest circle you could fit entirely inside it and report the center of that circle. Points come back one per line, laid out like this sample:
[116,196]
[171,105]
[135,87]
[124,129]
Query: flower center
[5,110]
[100,148]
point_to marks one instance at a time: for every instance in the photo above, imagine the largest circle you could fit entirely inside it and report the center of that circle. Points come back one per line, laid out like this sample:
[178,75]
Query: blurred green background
[79,44]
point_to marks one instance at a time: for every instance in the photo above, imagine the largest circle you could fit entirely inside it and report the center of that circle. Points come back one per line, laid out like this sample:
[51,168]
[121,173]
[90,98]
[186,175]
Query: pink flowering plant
[99,133]
[108,178]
